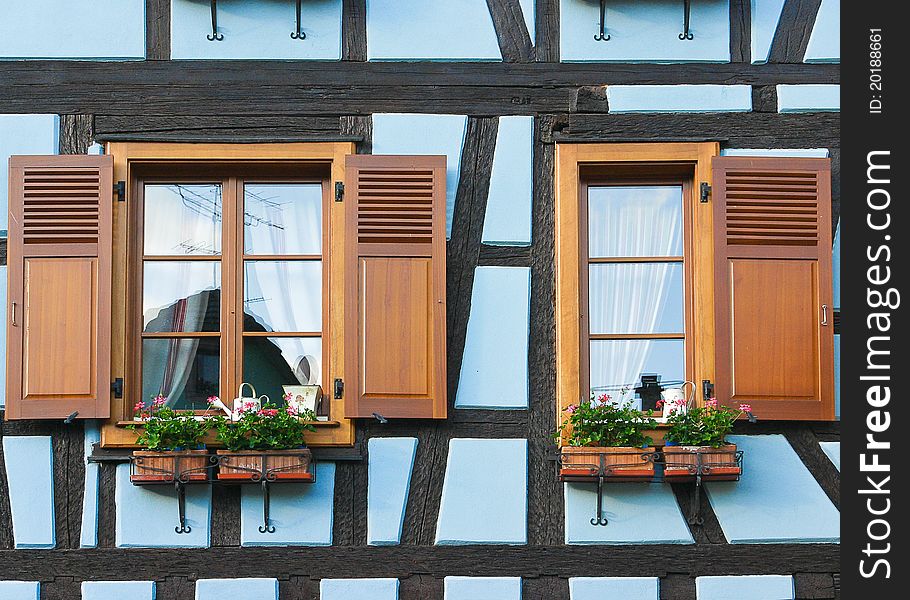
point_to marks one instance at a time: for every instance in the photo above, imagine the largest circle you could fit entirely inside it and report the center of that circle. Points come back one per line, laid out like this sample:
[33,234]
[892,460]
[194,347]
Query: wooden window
[59,321]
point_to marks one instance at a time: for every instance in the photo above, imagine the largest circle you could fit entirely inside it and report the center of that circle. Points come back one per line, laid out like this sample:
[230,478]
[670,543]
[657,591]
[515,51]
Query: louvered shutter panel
[395,311]
[59,314]
[773,286]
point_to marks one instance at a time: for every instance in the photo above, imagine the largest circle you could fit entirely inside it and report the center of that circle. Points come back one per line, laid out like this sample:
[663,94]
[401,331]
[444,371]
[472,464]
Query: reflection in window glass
[270,362]
[636,298]
[184,370]
[181,296]
[282,295]
[635,221]
[282,218]
[182,219]
[616,362]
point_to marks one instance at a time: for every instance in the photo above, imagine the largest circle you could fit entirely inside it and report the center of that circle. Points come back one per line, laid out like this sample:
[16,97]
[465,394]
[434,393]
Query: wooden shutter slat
[395,287]
[59,318]
[772,223]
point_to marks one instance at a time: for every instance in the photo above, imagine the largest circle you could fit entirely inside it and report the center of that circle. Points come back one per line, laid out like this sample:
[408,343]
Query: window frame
[574,163]
[134,162]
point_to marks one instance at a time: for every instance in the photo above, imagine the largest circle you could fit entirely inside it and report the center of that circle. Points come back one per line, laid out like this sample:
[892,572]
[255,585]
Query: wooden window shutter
[395,309]
[59,314]
[773,286]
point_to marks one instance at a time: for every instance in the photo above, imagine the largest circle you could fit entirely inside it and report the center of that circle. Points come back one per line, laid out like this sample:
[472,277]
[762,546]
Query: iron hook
[686,34]
[299,34]
[603,36]
[215,36]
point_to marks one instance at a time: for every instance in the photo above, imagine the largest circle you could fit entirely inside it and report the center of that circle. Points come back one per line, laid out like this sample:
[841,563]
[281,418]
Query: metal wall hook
[299,34]
[686,34]
[266,526]
[599,518]
[602,36]
[182,527]
[215,36]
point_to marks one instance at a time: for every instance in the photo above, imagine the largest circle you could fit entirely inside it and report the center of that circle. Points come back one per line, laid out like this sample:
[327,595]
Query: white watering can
[676,400]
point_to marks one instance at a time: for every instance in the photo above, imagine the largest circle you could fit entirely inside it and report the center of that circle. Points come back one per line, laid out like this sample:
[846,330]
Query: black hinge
[339,191]
[707,389]
[339,389]
[120,190]
[117,387]
[705,191]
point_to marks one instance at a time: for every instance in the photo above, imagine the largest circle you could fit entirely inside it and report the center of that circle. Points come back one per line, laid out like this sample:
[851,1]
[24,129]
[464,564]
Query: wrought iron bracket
[182,526]
[695,518]
[215,36]
[686,34]
[599,518]
[299,34]
[603,36]
[266,526]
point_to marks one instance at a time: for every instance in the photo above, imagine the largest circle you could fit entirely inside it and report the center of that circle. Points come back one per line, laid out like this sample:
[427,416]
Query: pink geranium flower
[745,407]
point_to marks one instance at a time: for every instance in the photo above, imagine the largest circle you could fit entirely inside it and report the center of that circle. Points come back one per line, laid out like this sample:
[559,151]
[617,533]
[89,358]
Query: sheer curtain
[630,297]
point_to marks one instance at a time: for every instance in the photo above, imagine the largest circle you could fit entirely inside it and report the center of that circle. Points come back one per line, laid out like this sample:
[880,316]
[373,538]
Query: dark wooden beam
[546,45]
[157,29]
[791,38]
[505,256]
[354,30]
[145,126]
[76,133]
[514,39]
[740,31]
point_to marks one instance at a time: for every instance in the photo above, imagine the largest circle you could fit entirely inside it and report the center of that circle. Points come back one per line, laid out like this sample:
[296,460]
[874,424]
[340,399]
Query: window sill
[317,424]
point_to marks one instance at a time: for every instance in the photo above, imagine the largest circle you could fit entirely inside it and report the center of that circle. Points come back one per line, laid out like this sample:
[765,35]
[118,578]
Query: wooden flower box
[272,465]
[720,464]
[150,466]
[594,461]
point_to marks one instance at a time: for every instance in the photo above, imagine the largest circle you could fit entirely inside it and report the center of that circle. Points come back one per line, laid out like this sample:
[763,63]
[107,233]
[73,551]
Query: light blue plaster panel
[529,12]
[508,216]
[89,534]
[765,16]
[404,133]
[302,513]
[256,29]
[118,590]
[437,30]
[19,590]
[745,587]
[83,29]
[2,329]
[777,152]
[800,98]
[777,499]
[485,493]
[494,367]
[679,98]
[832,449]
[29,463]
[147,515]
[391,461]
[638,513]
[824,43]
[358,589]
[482,588]
[23,134]
[245,589]
[613,588]
[644,31]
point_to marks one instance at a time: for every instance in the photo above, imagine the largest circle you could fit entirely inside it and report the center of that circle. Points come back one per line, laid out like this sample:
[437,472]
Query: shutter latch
[339,191]
[120,190]
[339,389]
[705,191]
[117,387]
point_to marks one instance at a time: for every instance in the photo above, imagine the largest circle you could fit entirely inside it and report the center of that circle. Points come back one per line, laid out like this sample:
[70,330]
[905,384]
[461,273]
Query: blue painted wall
[679,98]
[832,450]
[29,464]
[256,29]
[765,17]
[19,590]
[614,588]
[245,589]
[745,587]
[494,369]
[118,590]
[485,493]
[508,216]
[391,462]
[644,31]
[83,29]
[23,134]
[88,537]
[358,589]
[482,588]
[799,98]
[824,43]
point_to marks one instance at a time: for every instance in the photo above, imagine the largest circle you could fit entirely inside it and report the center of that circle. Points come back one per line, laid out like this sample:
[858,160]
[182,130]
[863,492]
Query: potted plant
[695,441]
[265,441]
[605,438]
[172,442]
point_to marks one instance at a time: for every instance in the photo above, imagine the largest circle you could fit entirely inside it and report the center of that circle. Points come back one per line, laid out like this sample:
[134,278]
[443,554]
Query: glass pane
[621,362]
[182,219]
[181,296]
[635,221]
[636,298]
[282,295]
[269,363]
[184,370]
[281,218]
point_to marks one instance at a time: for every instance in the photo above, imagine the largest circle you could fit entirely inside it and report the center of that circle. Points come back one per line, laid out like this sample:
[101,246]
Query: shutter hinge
[339,389]
[120,190]
[339,191]
[117,387]
[705,191]
[707,389]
